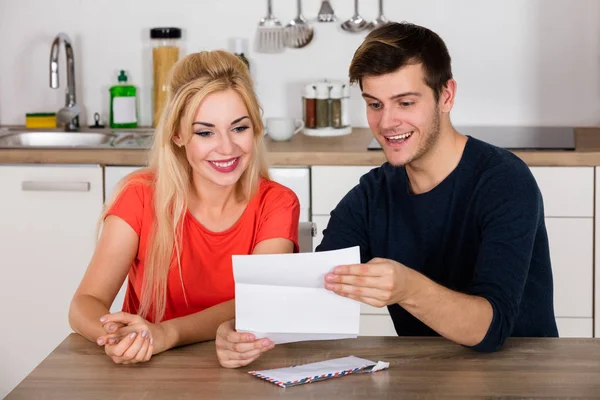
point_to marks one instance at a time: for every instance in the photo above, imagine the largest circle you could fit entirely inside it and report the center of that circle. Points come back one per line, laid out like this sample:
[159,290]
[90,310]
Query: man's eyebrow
[394,97]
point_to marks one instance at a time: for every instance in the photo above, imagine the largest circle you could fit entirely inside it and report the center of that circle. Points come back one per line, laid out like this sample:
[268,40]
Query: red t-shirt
[206,266]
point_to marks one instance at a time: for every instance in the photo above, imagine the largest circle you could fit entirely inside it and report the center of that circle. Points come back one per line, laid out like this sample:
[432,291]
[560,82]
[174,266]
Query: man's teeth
[402,136]
[224,164]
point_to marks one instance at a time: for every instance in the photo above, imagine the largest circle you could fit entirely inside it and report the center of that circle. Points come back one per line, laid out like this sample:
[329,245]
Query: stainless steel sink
[56,139]
[134,140]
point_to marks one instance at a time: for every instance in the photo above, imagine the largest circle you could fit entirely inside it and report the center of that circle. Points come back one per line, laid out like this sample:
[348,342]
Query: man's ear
[447,96]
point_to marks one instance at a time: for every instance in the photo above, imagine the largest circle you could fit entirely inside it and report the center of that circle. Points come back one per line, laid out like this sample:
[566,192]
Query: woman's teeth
[224,164]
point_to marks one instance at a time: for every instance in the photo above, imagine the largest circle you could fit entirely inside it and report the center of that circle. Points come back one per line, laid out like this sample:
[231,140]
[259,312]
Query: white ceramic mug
[281,129]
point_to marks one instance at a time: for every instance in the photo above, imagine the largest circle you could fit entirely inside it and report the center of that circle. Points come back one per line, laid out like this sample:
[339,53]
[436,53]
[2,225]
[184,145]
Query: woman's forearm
[198,327]
[84,316]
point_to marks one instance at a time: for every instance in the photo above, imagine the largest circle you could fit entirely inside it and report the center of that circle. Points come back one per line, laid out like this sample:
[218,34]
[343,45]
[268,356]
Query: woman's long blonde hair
[191,80]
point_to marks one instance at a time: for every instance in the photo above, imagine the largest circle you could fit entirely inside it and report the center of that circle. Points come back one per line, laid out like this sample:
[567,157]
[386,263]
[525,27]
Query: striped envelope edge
[319,371]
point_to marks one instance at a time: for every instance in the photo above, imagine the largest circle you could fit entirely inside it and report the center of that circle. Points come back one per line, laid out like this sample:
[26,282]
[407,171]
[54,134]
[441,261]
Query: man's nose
[389,119]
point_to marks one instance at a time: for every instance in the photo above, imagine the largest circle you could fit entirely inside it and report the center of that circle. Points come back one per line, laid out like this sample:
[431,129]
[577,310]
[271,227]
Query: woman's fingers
[133,350]
[127,330]
[141,354]
[119,349]
[150,351]
[111,327]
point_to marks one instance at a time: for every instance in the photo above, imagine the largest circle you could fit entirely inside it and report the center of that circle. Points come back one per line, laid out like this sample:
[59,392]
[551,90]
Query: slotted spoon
[298,33]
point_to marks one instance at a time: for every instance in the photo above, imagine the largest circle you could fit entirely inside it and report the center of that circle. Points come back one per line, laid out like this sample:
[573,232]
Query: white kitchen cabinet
[331,183]
[597,252]
[568,194]
[320,222]
[572,256]
[297,179]
[567,191]
[48,217]
[575,327]
[113,175]
[376,325]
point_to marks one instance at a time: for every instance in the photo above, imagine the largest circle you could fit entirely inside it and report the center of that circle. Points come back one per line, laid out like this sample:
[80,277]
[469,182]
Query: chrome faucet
[69,114]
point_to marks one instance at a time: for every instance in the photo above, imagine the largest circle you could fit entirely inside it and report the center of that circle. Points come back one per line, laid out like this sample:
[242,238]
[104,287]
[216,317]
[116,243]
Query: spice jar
[310,106]
[346,105]
[325,108]
[165,53]
[336,105]
[322,105]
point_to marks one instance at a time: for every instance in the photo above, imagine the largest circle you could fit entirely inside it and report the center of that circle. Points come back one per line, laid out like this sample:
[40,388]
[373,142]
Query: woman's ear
[177,140]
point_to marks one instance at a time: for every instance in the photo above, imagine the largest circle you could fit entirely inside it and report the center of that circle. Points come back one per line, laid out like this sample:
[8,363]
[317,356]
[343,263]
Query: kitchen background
[517,62]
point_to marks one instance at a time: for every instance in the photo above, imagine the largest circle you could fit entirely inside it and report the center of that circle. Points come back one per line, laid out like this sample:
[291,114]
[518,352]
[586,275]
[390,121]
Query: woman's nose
[226,145]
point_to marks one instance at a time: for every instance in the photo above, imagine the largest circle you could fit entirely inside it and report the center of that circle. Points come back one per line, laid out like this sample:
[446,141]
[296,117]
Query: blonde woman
[173,227]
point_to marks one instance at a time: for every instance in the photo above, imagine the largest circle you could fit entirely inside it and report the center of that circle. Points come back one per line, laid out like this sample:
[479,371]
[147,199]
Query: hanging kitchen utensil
[380,20]
[298,33]
[356,23]
[270,34]
[326,13]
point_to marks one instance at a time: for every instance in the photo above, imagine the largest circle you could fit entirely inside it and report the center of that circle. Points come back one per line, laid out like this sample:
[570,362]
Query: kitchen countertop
[305,150]
[419,368]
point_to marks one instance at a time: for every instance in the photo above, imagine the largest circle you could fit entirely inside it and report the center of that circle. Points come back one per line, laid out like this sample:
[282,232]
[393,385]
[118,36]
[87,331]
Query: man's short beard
[431,138]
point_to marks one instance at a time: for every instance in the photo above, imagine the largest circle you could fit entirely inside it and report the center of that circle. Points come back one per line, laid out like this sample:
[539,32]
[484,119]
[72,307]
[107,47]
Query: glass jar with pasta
[165,53]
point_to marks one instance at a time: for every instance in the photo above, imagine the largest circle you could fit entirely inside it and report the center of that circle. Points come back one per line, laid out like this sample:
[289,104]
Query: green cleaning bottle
[123,104]
[238,50]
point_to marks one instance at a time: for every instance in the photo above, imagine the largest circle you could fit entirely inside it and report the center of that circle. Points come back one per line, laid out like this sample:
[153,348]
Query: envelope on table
[282,296]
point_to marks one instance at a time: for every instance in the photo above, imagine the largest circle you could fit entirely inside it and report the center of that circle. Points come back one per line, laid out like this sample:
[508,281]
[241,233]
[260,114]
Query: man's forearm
[462,318]
[198,327]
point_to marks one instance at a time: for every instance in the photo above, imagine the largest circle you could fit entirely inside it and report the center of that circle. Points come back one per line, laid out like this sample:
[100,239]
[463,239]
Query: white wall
[516,61]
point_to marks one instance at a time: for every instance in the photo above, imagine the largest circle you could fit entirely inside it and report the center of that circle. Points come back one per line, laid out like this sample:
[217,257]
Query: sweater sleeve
[510,212]
[347,226]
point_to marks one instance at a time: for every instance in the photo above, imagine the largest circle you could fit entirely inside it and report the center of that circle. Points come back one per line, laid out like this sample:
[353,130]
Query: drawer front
[571,253]
[575,327]
[597,261]
[298,180]
[567,191]
[370,310]
[330,184]
[376,325]
[321,223]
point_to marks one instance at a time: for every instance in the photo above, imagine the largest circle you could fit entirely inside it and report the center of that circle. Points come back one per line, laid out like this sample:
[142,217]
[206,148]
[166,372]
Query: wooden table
[419,368]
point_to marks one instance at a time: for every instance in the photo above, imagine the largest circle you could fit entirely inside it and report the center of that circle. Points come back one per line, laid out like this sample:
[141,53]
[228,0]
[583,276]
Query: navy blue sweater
[481,231]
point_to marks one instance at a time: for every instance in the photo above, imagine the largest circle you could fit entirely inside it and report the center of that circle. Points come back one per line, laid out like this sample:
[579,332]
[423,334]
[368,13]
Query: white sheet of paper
[283,296]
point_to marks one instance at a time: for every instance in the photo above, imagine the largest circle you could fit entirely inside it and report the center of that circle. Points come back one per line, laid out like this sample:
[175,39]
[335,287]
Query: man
[451,229]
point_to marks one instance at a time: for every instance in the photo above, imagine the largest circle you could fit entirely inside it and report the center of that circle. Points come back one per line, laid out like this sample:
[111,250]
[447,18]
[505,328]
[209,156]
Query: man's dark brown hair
[396,45]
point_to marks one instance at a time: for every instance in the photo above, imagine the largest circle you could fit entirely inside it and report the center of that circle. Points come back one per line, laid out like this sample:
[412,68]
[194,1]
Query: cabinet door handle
[42,186]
